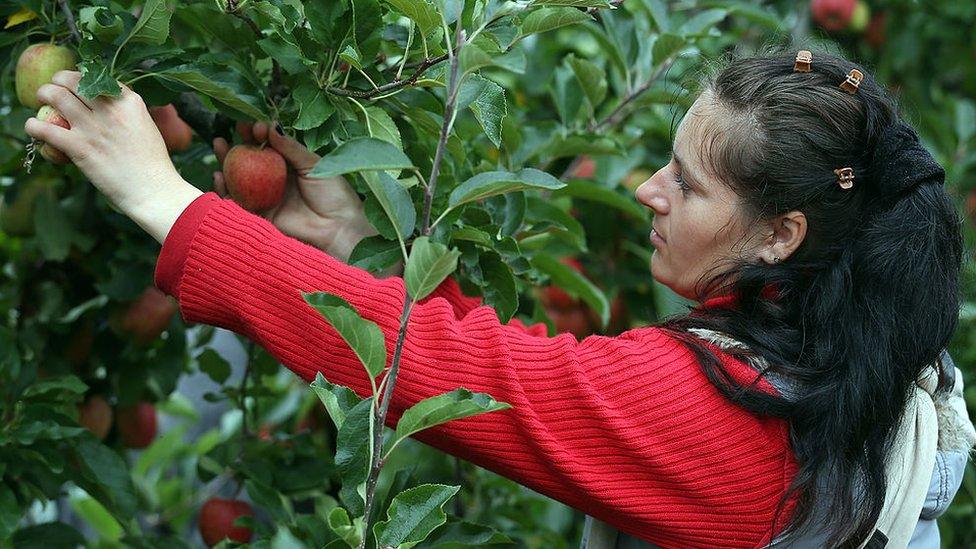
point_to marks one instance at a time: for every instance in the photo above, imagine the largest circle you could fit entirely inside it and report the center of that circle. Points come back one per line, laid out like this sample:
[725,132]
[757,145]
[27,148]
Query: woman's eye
[681,184]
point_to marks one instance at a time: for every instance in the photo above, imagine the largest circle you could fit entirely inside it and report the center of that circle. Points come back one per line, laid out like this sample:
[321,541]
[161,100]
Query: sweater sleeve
[626,429]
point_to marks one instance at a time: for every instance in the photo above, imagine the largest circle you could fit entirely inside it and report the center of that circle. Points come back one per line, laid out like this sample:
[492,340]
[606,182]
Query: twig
[615,115]
[275,90]
[389,86]
[449,106]
[71,20]
[243,392]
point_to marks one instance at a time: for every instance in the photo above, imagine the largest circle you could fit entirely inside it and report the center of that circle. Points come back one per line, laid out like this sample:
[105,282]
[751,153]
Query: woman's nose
[651,195]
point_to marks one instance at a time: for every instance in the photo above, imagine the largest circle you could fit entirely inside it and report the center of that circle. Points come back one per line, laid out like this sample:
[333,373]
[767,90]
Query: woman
[766,415]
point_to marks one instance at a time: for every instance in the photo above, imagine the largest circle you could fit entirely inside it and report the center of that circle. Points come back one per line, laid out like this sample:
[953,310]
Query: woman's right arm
[626,429]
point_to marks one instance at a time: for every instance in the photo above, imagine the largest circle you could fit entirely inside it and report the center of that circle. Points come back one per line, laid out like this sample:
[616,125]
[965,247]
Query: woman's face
[697,216]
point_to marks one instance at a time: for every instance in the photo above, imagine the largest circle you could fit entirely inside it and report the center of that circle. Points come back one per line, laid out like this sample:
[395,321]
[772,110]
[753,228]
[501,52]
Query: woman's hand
[112,140]
[326,213]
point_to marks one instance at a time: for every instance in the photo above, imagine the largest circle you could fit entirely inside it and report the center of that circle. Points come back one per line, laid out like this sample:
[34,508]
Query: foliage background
[60,287]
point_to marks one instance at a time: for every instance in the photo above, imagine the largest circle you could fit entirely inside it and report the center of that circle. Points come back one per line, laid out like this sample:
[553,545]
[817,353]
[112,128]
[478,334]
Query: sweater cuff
[172,256]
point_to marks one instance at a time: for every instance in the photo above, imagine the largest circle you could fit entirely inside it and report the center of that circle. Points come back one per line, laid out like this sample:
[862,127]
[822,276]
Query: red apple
[217,516]
[79,347]
[147,316]
[137,424]
[176,133]
[585,168]
[832,15]
[255,176]
[874,35]
[96,416]
[48,113]
[860,17]
[35,67]
[574,321]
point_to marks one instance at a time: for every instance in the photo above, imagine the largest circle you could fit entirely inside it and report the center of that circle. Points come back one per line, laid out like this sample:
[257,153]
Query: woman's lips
[656,236]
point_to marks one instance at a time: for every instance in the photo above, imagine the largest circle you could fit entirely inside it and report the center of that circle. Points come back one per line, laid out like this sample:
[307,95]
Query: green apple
[36,66]
[17,218]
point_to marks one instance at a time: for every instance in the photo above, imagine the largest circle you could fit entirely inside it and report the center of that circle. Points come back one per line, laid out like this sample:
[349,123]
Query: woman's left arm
[116,144]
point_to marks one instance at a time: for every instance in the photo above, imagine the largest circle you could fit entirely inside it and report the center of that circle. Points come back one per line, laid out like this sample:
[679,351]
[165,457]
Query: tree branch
[71,20]
[390,86]
[616,116]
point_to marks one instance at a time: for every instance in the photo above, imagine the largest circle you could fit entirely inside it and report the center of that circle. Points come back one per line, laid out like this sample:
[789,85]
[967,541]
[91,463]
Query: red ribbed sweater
[626,429]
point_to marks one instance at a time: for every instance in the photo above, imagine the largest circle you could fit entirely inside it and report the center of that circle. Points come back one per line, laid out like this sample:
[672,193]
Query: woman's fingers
[70,80]
[55,136]
[244,128]
[220,186]
[220,148]
[260,131]
[294,152]
[65,101]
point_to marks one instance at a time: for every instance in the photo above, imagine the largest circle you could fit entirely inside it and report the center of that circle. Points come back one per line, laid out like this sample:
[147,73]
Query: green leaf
[474,58]
[270,500]
[221,84]
[428,265]
[574,283]
[499,289]
[54,232]
[96,515]
[214,365]
[10,512]
[547,19]
[459,534]
[413,515]
[702,22]
[422,12]
[381,126]
[457,404]
[314,107]
[50,535]
[591,79]
[965,120]
[284,49]
[354,451]
[360,155]
[105,477]
[666,46]
[395,201]
[659,13]
[574,3]
[567,94]
[101,23]
[375,253]
[349,531]
[588,190]
[153,24]
[96,80]
[338,400]
[69,383]
[493,183]
[490,109]
[365,338]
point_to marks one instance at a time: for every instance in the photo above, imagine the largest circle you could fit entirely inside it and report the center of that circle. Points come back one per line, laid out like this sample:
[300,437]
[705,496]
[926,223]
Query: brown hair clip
[845,177]
[803,60]
[852,82]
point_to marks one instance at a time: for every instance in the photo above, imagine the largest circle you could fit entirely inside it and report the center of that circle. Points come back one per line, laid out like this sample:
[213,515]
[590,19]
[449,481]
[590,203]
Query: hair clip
[852,82]
[845,177]
[802,63]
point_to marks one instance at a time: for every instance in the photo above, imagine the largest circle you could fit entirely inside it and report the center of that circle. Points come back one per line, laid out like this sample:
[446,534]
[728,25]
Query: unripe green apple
[48,113]
[176,133]
[36,66]
[255,176]
[137,424]
[217,516]
[96,416]
[860,17]
[17,218]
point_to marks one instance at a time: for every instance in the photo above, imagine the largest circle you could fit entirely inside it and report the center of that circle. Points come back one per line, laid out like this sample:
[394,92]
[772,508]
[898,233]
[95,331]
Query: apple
[147,316]
[860,17]
[96,416]
[79,347]
[255,176]
[176,133]
[35,67]
[137,424]
[574,321]
[48,113]
[217,516]
[832,15]
[17,218]
[585,168]
[874,35]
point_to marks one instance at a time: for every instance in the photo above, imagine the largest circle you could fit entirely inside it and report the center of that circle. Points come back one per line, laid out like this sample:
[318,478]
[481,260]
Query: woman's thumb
[294,152]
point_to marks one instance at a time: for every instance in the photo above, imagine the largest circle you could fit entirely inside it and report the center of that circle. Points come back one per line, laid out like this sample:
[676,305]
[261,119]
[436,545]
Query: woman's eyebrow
[684,167]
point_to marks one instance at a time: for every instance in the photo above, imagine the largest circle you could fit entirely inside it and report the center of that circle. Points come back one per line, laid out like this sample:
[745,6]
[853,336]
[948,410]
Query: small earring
[775,260]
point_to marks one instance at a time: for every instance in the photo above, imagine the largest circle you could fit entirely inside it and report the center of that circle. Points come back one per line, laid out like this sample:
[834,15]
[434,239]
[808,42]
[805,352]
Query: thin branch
[275,89]
[71,20]
[243,392]
[615,116]
[389,86]
[449,107]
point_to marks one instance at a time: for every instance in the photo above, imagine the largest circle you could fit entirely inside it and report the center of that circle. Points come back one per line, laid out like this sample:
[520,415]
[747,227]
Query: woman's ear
[785,234]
